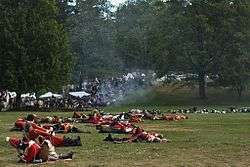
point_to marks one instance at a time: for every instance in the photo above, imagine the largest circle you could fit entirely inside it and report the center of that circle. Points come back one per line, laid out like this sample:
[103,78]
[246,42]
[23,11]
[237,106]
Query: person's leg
[75,130]
[66,156]
[72,142]
[15,129]
[116,140]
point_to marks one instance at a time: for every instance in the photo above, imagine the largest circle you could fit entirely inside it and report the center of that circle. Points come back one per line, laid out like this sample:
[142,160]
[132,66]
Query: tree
[92,40]
[134,21]
[237,76]
[34,47]
[66,10]
[235,69]
[198,34]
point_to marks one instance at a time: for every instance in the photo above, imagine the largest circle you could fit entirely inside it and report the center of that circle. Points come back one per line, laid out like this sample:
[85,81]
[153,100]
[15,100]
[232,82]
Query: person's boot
[78,141]
[109,138]
[98,127]
[15,129]
[66,156]
[76,130]
[67,141]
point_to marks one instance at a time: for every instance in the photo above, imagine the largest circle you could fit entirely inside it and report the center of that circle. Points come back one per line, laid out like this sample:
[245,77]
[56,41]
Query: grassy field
[202,140]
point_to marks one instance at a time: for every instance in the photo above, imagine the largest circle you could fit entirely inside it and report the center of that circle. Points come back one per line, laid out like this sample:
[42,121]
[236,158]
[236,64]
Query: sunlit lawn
[202,140]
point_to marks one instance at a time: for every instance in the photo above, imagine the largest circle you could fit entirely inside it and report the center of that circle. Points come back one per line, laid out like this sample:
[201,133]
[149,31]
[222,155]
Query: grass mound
[185,96]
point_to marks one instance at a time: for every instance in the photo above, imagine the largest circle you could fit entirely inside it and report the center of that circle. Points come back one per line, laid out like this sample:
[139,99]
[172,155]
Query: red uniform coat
[20,123]
[14,142]
[55,140]
[32,151]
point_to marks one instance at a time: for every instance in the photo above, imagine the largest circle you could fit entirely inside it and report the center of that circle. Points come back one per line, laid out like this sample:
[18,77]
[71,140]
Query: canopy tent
[79,94]
[12,94]
[50,95]
[128,76]
[28,95]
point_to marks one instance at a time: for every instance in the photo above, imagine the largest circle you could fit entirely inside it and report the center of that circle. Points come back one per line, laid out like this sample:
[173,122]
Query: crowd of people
[95,93]
[112,90]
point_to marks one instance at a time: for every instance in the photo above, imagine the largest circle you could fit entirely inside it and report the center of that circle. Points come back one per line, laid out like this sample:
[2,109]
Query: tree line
[48,43]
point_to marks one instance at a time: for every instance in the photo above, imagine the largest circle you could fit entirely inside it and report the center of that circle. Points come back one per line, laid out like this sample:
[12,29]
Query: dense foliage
[195,36]
[34,48]
[207,38]
[92,40]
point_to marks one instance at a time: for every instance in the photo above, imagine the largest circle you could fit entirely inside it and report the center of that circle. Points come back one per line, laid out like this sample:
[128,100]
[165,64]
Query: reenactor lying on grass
[131,117]
[28,150]
[173,117]
[36,151]
[95,118]
[48,152]
[62,128]
[21,122]
[102,118]
[51,120]
[116,127]
[146,114]
[79,115]
[139,135]
[56,126]
[32,132]
[56,120]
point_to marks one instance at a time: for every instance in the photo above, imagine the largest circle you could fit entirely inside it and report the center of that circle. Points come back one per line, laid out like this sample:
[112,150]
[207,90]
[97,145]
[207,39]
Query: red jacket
[14,142]
[32,151]
[55,140]
[35,131]
[20,123]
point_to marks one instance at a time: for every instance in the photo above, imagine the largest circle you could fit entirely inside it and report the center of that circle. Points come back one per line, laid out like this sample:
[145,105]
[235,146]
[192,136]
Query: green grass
[202,140]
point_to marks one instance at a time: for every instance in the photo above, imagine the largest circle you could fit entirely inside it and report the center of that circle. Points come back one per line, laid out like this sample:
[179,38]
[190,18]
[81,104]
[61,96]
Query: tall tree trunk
[80,81]
[202,86]
[18,100]
[239,91]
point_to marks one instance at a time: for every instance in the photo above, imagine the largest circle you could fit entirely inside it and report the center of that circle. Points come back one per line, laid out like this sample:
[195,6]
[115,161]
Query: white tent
[79,94]
[49,95]
[12,94]
[128,76]
[28,95]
